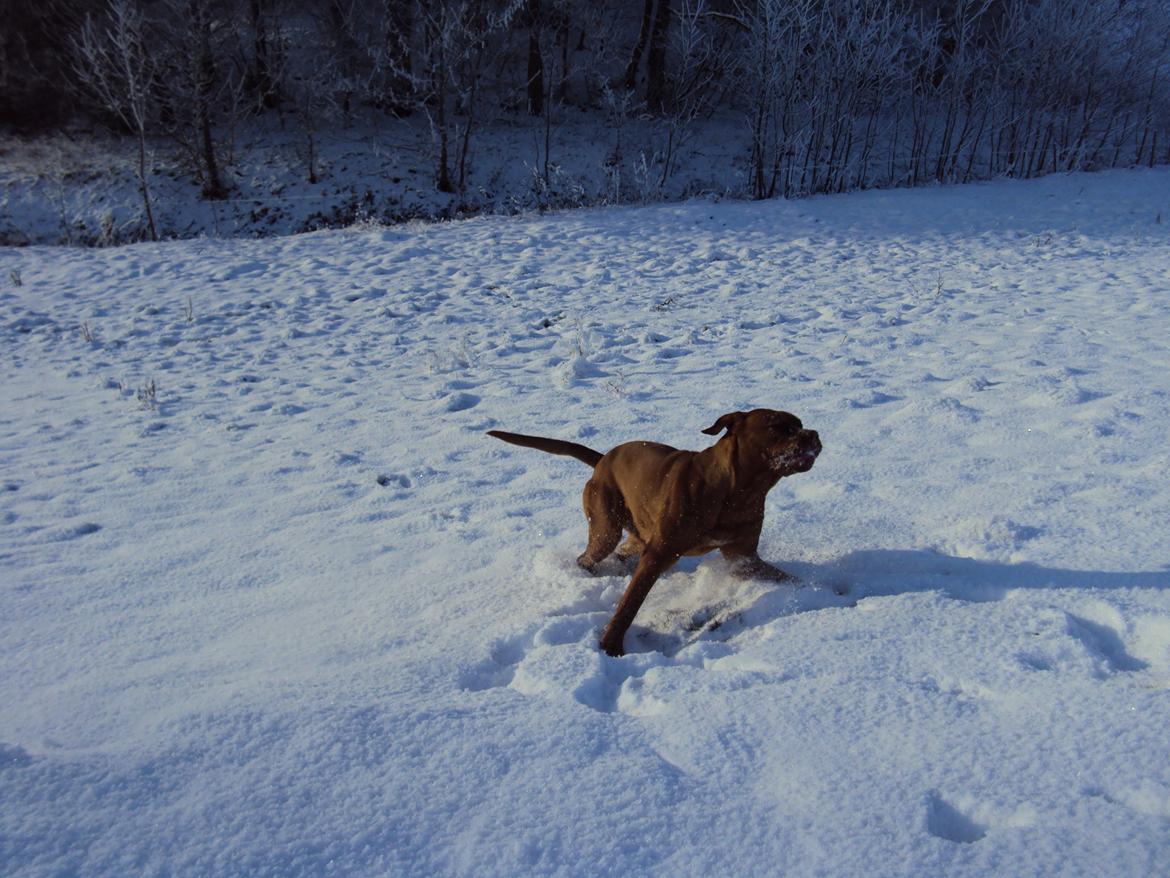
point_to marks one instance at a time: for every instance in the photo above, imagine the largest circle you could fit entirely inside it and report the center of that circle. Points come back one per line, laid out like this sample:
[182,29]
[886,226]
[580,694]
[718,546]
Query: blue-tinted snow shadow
[843,582]
[874,572]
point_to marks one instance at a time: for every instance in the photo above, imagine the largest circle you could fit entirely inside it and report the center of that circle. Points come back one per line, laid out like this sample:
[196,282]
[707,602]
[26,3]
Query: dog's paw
[613,645]
[629,562]
[757,568]
[587,564]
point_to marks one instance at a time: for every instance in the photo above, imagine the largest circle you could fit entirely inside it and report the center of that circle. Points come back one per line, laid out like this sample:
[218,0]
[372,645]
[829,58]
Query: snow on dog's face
[779,438]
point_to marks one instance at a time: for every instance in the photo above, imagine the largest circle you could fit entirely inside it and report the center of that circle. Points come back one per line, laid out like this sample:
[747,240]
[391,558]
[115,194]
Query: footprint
[966,820]
[387,479]
[601,692]
[1033,662]
[72,532]
[1104,641]
[559,657]
[945,821]
[500,669]
[13,755]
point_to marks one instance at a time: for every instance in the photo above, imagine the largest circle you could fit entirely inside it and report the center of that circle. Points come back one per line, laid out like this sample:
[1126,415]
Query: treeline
[832,94]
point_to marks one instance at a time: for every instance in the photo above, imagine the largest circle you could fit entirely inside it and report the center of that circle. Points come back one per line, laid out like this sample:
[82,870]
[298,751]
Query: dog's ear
[728,421]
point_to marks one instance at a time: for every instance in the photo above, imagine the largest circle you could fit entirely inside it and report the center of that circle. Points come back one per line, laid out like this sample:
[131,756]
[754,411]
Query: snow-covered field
[273,603]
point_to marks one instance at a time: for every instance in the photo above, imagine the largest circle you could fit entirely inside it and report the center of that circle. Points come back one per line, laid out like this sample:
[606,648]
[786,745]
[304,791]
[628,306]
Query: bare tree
[1150,39]
[701,61]
[398,33]
[773,35]
[114,65]
[313,96]
[205,83]
[835,94]
[962,88]
[630,78]
[196,82]
[458,38]
[36,57]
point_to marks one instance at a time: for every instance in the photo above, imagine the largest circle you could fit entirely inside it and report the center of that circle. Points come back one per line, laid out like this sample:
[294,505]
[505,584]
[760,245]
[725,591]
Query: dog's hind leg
[752,566]
[605,527]
[631,548]
[746,562]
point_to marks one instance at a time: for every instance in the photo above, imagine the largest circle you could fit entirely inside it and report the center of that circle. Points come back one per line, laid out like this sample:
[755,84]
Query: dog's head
[777,439]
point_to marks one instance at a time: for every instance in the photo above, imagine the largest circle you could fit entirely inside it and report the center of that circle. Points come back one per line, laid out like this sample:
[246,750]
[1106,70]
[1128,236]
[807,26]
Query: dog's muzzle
[810,445]
[803,456]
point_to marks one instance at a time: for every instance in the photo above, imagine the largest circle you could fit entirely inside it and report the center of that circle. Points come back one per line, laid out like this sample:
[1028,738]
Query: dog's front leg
[651,565]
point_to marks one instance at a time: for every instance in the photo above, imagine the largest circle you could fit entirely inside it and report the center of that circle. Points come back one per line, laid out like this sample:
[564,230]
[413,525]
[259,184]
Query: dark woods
[817,95]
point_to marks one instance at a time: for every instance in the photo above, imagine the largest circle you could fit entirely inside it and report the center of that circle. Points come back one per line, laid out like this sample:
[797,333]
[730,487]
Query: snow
[291,612]
[84,189]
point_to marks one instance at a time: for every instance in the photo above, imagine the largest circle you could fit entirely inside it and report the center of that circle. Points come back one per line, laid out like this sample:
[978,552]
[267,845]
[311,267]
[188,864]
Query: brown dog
[676,503]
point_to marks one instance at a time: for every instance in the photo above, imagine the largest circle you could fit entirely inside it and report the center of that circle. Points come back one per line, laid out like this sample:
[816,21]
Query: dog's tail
[552,446]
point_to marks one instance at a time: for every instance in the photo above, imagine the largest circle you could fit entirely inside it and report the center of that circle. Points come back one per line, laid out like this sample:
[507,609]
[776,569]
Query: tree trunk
[656,59]
[631,75]
[443,184]
[213,187]
[465,145]
[261,58]
[563,38]
[758,146]
[142,185]
[535,61]
[443,174]
[398,41]
[205,78]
